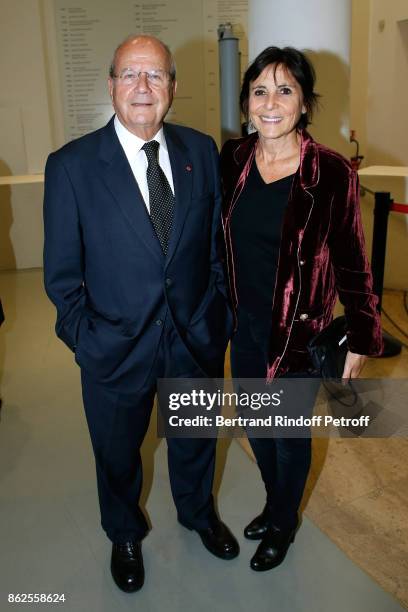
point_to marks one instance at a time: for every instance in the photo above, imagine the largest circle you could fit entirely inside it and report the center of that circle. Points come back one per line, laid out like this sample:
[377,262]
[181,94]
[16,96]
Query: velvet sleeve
[354,282]
[217,237]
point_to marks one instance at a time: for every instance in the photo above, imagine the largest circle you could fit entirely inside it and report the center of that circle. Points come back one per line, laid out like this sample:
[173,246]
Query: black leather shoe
[219,540]
[257,528]
[272,550]
[127,566]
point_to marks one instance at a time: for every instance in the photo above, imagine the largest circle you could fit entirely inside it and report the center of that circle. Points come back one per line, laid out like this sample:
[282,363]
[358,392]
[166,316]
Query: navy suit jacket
[104,267]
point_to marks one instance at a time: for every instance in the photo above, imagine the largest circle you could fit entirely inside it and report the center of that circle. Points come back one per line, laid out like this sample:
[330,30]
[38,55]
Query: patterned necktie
[161,197]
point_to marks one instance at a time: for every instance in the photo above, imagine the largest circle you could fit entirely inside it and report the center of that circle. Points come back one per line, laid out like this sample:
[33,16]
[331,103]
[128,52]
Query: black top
[256,234]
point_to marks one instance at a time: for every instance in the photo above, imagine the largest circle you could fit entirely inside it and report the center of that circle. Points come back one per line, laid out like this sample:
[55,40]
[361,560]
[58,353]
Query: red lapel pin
[189,168]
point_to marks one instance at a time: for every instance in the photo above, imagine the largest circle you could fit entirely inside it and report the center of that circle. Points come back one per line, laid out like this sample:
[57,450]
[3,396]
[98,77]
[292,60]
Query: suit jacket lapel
[120,181]
[182,171]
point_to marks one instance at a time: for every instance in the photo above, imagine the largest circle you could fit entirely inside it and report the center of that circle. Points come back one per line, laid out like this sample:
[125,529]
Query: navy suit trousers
[118,422]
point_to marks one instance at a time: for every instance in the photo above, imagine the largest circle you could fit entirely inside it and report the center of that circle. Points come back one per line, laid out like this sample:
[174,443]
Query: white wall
[371,97]
[25,131]
[378,111]
[378,108]
[387,116]
[31,103]
[323,27]
[360,38]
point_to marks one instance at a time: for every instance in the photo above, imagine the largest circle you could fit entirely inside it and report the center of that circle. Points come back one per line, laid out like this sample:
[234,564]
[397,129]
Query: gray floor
[50,540]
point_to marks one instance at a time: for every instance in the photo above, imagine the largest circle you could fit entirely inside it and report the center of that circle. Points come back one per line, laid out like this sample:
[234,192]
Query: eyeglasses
[155,77]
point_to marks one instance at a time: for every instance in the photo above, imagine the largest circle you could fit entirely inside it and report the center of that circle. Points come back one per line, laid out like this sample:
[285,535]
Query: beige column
[323,27]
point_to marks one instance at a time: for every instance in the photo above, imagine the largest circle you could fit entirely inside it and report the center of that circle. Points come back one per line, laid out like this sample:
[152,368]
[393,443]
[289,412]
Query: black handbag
[329,348]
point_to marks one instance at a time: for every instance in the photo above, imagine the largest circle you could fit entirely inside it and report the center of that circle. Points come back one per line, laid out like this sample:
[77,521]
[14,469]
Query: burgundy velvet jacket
[322,254]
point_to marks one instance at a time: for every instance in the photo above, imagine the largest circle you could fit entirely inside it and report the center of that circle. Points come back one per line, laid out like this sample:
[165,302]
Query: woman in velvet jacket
[294,243]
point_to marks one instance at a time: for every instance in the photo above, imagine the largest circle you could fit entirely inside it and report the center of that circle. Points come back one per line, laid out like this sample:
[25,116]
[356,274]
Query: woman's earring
[250,127]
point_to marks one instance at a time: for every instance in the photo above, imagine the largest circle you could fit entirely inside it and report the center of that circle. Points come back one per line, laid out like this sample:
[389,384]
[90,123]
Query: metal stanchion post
[382,209]
[229,82]
[382,204]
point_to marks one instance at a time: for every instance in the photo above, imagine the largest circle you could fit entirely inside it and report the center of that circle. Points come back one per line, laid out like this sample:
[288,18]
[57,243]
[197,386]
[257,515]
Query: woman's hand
[353,365]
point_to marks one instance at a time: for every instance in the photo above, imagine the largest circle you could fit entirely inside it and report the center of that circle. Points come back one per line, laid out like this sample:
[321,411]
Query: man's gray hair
[172,71]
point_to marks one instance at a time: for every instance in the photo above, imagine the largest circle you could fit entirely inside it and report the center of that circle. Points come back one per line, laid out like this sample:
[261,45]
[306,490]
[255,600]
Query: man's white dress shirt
[132,146]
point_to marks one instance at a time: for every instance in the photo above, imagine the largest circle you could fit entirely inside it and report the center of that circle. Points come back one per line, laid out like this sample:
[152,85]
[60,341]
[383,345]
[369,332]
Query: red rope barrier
[401,208]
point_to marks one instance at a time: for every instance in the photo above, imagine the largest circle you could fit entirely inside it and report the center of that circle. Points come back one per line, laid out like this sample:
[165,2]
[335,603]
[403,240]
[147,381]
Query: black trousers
[284,463]
[118,422]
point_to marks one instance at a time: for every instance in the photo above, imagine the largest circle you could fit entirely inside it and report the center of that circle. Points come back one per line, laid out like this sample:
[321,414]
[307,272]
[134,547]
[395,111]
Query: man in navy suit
[133,265]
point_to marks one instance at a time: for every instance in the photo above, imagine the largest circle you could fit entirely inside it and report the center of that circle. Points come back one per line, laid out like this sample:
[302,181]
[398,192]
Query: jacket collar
[109,144]
[120,181]
[309,157]
[183,171]
[309,161]
[118,178]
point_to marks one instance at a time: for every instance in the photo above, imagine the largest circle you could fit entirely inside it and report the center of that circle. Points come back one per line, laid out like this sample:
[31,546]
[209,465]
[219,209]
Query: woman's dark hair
[300,68]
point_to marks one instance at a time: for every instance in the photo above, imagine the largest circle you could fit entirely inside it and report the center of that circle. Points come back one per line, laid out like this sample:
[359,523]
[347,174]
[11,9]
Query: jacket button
[168,282]
[159,322]
[302,262]
[304,316]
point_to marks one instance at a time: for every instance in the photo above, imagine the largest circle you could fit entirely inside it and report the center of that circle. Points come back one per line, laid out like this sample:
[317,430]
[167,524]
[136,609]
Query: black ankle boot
[273,548]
